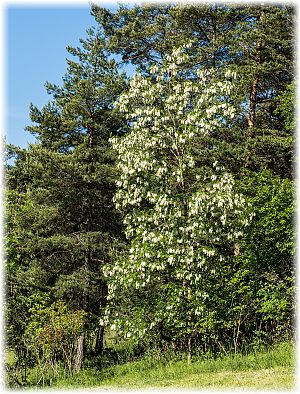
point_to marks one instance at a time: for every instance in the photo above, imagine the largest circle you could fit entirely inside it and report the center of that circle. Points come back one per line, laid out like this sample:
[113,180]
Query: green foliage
[286,107]
[52,333]
[268,254]
[271,239]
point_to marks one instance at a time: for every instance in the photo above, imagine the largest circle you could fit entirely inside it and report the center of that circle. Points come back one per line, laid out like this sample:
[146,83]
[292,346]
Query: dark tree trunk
[99,341]
[253,100]
[189,350]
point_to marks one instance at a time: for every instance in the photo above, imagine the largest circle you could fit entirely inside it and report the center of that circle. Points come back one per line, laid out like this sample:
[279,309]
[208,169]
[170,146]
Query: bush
[52,334]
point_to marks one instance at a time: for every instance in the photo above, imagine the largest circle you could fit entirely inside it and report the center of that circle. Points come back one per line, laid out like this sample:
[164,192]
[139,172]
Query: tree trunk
[237,251]
[99,341]
[79,355]
[189,346]
[253,100]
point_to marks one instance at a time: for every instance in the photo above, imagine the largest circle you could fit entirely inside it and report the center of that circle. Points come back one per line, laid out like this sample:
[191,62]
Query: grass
[273,369]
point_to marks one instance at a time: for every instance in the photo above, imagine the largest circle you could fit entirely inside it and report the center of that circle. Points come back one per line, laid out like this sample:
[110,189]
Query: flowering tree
[182,220]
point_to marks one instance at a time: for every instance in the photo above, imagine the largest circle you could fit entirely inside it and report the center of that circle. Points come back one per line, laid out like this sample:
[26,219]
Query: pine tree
[72,227]
[142,35]
[262,51]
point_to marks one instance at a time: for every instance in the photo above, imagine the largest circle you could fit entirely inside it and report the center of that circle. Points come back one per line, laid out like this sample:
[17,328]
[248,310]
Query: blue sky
[36,37]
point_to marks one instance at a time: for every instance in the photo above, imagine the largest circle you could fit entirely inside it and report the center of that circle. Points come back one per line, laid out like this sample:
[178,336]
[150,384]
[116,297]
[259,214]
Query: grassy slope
[274,369]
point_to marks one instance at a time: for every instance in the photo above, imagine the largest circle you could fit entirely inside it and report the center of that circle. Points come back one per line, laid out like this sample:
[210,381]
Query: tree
[182,219]
[262,51]
[72,228]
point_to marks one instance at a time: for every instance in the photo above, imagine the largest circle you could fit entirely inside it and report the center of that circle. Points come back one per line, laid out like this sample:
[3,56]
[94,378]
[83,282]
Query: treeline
[159,206]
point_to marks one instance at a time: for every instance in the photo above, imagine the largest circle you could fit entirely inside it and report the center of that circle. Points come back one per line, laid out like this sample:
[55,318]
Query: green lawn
[274,369]
[275,378]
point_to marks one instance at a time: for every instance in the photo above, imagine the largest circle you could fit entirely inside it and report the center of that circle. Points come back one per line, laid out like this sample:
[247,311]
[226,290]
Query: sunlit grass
[273,369]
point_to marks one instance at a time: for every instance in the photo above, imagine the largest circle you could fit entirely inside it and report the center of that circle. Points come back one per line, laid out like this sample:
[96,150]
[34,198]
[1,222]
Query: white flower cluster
[175,228]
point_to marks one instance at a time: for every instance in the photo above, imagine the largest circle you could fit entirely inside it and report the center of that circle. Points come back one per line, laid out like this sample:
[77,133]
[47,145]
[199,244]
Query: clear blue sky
[36,38]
